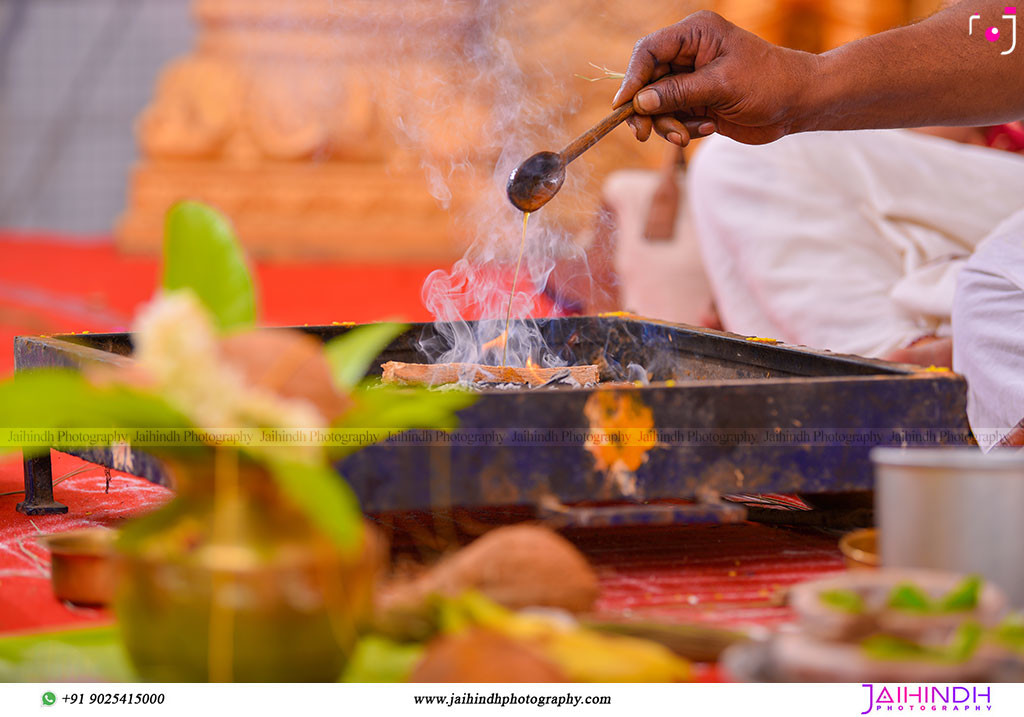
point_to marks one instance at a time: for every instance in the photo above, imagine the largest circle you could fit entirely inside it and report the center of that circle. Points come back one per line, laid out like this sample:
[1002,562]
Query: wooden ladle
[538,178]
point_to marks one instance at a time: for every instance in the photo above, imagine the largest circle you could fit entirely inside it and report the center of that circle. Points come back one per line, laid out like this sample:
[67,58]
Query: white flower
[176,344]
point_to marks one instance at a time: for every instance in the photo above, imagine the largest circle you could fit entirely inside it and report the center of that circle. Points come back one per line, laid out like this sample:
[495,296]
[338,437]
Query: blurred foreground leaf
[351,354]
[92,654]
[384,411]
[201,253]
[324,496]
[378,659]
[62,398]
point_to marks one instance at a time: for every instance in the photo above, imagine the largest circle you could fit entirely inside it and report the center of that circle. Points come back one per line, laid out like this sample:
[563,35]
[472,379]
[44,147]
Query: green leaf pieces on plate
[960,648]
[963,597]
[844,600]
[908,596]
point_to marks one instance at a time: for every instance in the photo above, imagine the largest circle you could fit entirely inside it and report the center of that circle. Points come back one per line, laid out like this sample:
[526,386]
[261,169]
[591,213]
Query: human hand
[706,72]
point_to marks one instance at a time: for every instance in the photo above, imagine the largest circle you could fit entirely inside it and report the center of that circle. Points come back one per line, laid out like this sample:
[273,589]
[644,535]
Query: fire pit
[679,413]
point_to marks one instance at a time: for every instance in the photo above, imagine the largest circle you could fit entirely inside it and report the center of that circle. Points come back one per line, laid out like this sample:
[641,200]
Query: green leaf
[965,642]
[908,596]
[62,398]
[201,253]
[377,659]
[846,601]
[404,408]
[352,353]
[382,411]
[1010,632]
[960,648]
[77,655]
[888,647]
[324,496]
[964,596]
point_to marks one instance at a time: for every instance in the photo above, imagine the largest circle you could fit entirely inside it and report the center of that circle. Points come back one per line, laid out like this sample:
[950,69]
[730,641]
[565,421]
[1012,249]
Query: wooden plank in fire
[423,374]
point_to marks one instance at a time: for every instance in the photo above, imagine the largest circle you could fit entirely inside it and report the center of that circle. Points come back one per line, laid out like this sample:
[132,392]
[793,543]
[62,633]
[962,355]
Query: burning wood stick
[419,374]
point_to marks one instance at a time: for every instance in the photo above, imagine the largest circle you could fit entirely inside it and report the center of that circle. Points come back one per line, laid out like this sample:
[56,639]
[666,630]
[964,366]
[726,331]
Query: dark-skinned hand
[706,68]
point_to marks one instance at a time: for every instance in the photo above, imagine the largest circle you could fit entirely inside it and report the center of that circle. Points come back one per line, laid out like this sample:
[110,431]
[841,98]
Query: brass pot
[81,565]
[860,549]
[234,584]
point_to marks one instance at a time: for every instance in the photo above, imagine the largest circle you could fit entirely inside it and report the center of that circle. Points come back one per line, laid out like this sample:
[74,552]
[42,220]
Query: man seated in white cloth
[865,242]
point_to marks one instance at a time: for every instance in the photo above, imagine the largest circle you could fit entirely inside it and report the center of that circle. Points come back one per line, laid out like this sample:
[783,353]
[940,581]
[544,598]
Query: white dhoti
[849,241]
[988,330]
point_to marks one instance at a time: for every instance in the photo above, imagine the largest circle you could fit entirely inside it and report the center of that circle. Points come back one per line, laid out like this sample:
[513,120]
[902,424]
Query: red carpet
[728,575]
[719,575]
[26,601]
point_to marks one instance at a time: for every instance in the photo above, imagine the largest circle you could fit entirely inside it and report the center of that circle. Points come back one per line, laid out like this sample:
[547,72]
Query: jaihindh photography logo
[994,33]
[945,698]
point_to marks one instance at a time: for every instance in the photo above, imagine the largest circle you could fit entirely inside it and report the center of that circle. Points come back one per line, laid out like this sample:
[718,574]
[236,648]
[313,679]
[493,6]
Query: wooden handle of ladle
[591,137]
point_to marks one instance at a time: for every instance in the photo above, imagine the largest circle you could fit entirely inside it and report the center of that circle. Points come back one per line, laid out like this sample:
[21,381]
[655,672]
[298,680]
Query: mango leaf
[383,411]
[351,354]
[846,601]
[62,398]
[963,597]
[324,496]
[201,253]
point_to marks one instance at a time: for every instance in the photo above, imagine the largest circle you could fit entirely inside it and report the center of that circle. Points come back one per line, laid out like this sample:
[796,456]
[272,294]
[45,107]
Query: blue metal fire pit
[727,413]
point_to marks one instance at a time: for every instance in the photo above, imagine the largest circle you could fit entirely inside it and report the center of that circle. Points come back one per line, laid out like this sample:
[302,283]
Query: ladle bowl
[538,178]
[534,182]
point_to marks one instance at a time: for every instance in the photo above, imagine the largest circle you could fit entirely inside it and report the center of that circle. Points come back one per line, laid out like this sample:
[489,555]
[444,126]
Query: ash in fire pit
[482,376]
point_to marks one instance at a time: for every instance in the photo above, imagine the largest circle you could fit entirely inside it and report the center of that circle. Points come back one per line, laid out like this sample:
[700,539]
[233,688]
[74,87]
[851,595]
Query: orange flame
[498,342]
[536,373]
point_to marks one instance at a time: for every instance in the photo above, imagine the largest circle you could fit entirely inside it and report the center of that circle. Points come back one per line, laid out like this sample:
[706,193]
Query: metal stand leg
[39,488]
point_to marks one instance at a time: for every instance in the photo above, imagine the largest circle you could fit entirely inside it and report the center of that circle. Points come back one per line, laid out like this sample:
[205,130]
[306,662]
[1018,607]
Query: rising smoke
[474,104]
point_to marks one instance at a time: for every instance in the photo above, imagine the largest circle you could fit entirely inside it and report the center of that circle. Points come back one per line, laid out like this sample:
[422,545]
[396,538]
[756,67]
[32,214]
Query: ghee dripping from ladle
[512,294]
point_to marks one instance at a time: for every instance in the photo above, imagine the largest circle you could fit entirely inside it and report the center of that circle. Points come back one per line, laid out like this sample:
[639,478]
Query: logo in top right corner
[994,34]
